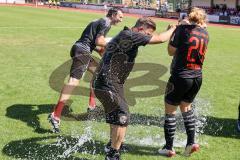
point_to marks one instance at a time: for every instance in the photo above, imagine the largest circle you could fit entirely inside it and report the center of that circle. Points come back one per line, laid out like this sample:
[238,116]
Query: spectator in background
[105,8]
[183,20]
[225,13]
[50,3]
[211,10]
[58,4]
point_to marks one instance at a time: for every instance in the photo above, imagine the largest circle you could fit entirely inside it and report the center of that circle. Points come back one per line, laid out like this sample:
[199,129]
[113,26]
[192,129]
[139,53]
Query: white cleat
[166,152]
[190,149]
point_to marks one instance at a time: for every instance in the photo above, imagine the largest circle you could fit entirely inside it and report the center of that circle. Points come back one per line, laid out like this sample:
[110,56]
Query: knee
[185,107]
[120,119]
[73,82]
[170,109]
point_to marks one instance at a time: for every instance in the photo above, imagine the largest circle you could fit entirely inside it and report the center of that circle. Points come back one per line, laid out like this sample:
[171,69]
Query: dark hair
[184,16]
[147,22]
[113,11]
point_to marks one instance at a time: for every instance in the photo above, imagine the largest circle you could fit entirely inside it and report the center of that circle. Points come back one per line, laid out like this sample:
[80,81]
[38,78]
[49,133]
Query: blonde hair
[197,15]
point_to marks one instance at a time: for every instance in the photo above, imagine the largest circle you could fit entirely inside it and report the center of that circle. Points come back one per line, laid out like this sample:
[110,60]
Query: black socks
[169,130]
[189,122]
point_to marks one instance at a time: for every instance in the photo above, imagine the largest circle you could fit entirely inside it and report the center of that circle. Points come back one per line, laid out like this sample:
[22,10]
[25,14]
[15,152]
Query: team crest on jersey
[125,45]
[123,119]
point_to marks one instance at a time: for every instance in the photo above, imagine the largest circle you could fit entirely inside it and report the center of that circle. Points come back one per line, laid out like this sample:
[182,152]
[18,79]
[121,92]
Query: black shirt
[119,57]
[92,31]
[191,42]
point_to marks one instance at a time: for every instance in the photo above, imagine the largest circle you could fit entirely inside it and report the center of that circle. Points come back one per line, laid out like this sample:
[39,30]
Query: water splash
[86,137]
[202,109]
[148,131]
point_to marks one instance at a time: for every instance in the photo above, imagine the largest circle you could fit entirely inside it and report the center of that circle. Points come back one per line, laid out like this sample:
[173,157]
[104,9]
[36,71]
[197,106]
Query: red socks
[92,102]
[58,110]
[59,107]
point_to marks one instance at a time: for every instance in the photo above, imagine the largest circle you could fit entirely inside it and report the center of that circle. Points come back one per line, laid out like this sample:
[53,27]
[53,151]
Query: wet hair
[197,15]
[113,11]
[146,22]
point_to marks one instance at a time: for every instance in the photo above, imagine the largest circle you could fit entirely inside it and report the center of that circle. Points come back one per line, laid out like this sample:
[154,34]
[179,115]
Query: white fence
[234,20]
[213,18]
[13,1]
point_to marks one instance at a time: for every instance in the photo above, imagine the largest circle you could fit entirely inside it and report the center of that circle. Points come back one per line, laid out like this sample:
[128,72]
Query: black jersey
[191,42]
[119,57]
[92,31]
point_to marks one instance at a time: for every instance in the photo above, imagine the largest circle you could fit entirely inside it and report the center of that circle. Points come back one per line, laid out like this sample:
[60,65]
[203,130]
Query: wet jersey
[119,57]
[92,31]
[191,42]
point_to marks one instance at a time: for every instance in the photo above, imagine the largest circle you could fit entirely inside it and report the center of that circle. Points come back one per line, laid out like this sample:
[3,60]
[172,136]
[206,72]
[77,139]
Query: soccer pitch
[34,51]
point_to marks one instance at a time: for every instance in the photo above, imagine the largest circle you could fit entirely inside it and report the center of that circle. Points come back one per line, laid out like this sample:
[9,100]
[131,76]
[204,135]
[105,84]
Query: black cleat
[55,123]
[123,147]
[113,155]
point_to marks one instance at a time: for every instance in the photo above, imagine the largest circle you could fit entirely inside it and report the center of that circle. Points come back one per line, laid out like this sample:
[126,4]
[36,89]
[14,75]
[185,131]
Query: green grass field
[34,42]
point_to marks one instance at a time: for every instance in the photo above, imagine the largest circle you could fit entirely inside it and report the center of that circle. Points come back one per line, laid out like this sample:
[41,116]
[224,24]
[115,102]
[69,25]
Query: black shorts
[80,61]
[114,103]
[182,89]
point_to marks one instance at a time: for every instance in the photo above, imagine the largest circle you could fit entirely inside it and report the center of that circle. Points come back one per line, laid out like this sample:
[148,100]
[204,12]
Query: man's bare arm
[162,37]
[100,41]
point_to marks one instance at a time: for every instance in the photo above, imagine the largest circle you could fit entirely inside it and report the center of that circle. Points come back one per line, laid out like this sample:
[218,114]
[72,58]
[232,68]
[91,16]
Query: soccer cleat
[190,149]
[238,125]
[123,147]
[107,147]
[91,108]
[113,156]
[55,123]
[166,152]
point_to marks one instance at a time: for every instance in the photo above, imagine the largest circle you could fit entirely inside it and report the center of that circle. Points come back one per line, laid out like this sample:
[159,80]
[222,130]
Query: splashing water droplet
[86,137]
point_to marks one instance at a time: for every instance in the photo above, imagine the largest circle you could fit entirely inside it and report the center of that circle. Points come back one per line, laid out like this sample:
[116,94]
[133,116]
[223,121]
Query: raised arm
[175,41]
[162,37]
